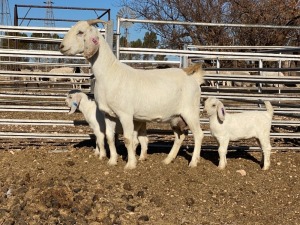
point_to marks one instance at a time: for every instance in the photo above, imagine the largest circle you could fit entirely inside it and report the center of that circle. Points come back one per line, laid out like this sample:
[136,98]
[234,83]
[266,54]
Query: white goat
[66,70]
[213,83]
[272,74]
[102,126]
[227,127]
[133,94]
[232,83]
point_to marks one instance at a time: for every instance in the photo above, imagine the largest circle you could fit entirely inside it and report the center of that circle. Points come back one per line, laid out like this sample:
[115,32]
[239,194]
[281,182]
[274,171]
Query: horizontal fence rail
[38,93]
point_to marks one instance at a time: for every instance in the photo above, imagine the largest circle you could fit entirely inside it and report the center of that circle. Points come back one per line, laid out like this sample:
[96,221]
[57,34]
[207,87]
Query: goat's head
[82,38]
[73,100]
[213,106]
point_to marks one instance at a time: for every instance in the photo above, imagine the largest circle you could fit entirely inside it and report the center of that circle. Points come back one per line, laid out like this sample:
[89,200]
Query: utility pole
[49,20]
[5,19]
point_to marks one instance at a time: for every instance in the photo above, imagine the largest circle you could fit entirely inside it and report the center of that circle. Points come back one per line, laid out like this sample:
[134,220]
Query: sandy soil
[57,182]
[67,184]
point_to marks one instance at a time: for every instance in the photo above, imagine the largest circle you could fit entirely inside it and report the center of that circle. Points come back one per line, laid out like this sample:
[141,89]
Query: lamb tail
[269,108]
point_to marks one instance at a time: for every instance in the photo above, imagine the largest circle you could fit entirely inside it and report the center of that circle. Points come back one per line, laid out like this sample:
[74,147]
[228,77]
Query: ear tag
[75,104]
[95,41]
[223,111]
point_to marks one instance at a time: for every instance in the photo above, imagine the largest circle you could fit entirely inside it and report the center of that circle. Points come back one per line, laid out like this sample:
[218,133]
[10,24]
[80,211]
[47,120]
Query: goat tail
[196,72]
[269,108]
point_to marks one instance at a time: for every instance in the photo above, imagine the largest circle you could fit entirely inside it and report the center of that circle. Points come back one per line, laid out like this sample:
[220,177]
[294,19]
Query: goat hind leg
[194,125]
[179,137]
[266,153]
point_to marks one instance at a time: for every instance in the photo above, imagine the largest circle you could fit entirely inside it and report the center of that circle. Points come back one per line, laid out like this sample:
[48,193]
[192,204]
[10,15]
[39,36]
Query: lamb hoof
[193,164]
[167,161]
[265,167]
[130,166]
[112,162]
[221,167]
[102,157]
[142,158]
[96,153]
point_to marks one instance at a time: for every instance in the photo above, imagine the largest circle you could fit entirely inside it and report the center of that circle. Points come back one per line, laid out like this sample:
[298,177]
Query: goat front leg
[128,134]
[143,140]
[222,150]
[100,148]
[110,124]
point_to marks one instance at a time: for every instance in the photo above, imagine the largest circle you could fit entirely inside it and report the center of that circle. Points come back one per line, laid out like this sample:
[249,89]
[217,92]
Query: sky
[134,32]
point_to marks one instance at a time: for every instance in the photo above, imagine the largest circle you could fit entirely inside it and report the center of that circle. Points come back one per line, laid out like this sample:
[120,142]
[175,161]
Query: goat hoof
[96,153]
[265,167]
[130,166]
[167,161]
[193,164]
[112,162]
[101,157]
[143,158]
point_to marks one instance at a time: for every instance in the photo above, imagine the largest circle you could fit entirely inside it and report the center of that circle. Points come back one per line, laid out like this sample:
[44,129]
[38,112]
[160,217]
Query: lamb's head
[82,38]
[73,100]
[214,106]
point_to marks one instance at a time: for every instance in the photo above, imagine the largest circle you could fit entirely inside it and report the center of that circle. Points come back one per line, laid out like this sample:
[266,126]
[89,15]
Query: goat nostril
[61,46]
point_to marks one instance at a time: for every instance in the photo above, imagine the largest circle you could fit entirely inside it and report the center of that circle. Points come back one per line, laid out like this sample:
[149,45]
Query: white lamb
[66,70]
[227,127]
[105,126]
[272,74]
[134,94]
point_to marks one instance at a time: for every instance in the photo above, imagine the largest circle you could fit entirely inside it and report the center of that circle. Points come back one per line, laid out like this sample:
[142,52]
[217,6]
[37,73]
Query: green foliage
[150,41]
[136,44]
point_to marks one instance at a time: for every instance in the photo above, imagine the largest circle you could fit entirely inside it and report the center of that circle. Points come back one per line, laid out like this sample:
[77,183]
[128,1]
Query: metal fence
[39,91]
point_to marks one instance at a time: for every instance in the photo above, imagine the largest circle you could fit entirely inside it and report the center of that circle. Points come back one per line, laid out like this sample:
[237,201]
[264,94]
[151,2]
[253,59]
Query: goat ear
[75,104]
[91,42]
[221,111]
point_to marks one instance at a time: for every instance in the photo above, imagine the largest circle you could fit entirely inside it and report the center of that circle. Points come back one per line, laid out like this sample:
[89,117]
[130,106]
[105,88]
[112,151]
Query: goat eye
[214,105]
[80,32]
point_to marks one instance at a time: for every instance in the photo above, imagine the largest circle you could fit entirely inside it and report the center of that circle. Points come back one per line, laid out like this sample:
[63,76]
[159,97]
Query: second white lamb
[227,127]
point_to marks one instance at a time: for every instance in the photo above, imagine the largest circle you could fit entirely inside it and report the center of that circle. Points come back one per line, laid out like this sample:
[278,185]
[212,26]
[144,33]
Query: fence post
[118,38]
[109,33]
[218,67]
[184,59]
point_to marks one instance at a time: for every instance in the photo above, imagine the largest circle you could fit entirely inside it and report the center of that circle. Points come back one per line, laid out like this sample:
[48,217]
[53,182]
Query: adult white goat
[133,94]
[105,126]
[227,127]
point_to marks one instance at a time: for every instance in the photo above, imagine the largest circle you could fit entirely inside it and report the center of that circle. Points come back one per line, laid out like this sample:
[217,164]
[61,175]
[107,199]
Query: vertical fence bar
[109,33]
[184,59]
[218,67]
[118,39]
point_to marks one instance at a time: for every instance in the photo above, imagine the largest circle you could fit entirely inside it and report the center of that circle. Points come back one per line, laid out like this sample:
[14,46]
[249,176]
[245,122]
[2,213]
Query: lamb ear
[91,42]
[221,111]
[75,103]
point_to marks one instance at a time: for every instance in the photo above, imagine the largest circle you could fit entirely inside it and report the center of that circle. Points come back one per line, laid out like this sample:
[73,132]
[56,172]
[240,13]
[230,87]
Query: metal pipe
[208,24]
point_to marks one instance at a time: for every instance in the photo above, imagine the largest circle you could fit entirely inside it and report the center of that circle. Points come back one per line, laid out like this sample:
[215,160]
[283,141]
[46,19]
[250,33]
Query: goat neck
[104,59]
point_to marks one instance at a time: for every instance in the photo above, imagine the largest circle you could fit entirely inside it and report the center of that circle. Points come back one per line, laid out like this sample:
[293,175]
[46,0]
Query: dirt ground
[57,182]
[67,184]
